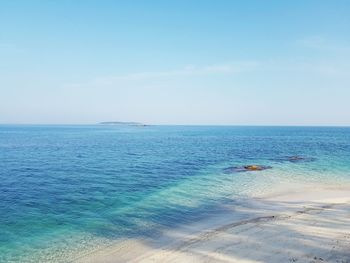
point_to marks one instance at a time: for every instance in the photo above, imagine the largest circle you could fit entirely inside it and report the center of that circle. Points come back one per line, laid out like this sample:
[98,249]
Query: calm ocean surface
[64,189]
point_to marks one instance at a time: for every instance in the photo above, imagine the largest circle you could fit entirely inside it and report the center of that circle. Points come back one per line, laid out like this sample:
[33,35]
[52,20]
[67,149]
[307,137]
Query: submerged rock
[246,168]
[294,159]
[297,158]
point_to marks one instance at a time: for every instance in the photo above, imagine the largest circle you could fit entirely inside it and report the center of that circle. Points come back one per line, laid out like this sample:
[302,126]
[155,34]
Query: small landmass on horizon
[128,123]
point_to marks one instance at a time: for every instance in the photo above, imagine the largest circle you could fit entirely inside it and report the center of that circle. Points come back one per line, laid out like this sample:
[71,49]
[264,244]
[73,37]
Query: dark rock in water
[246,168]
[254,167]
[296,159]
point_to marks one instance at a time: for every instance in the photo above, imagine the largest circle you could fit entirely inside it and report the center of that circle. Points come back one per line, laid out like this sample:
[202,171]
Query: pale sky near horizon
[175,62]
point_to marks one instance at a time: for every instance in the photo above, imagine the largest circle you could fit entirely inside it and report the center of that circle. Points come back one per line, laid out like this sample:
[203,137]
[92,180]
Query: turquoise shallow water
[65,189]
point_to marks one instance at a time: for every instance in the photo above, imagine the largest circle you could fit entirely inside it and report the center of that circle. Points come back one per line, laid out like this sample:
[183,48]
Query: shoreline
[296,224]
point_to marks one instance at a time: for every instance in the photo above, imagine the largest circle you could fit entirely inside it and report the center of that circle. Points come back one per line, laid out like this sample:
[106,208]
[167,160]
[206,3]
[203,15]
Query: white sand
[308,224]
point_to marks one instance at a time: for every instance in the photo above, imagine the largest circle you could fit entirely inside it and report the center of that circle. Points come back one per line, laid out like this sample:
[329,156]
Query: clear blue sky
[175,62]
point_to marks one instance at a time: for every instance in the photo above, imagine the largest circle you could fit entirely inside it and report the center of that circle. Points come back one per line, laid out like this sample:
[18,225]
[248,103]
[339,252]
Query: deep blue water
[67,187]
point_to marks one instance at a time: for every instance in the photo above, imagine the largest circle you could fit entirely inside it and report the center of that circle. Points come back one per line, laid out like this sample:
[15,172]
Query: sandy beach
[309,224]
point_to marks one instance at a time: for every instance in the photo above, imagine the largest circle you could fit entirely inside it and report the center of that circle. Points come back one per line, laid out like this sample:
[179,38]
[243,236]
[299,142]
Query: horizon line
[174,124]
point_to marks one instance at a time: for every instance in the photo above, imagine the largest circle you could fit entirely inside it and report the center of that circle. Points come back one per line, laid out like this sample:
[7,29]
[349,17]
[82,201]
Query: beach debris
[246,168]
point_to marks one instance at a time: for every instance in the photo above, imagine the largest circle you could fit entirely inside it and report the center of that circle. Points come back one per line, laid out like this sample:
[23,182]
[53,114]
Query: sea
[66,190]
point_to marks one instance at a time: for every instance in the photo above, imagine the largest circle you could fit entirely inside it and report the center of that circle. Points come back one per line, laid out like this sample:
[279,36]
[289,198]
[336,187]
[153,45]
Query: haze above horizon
[180,62]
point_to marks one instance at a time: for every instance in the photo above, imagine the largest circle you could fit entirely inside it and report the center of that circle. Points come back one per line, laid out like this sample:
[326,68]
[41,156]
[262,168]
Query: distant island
[122,123]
